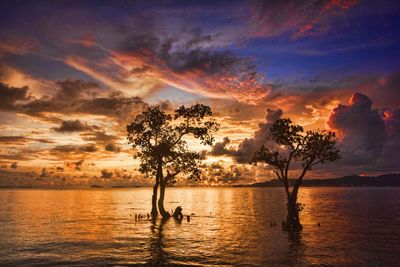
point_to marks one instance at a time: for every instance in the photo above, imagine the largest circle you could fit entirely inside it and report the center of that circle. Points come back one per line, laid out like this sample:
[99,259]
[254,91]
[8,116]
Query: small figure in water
[188,218]
[178,213]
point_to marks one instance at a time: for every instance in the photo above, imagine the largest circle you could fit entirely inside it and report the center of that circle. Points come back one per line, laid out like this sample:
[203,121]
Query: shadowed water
[230,227]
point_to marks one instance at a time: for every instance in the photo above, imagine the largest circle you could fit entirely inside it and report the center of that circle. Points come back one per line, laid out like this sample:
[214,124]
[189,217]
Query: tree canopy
[292,145]
[161,145]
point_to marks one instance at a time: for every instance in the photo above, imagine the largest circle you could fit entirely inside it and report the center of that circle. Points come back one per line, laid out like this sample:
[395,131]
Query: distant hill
[351,181]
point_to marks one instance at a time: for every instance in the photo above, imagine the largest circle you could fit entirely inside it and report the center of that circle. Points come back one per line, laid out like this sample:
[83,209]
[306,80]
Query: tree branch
[282,174]
[180,137]
[277,175]
[288,163]
[170,176]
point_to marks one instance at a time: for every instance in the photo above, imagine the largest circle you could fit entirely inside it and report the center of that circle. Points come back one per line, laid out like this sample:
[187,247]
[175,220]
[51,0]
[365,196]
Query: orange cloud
[243,87]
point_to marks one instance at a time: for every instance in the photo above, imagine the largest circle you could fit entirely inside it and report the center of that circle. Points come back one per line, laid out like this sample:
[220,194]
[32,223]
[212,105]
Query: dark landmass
[346,181]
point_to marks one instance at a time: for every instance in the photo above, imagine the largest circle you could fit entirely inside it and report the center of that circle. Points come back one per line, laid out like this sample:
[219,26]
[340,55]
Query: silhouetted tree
[291,144]
[162,149]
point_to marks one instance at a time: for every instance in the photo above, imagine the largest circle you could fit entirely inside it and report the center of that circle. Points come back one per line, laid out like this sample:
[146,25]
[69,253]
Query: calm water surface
[231,227]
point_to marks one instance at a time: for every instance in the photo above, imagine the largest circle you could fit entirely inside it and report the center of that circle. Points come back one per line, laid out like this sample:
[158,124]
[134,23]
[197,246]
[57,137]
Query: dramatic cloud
[112,147]
[186,63]
[106,174]
[219,149]
[368,138]
[245,150]
[360,129]
[9,96]
[68,88]
[72,126]
[140,56]
[80,97]
[73,89]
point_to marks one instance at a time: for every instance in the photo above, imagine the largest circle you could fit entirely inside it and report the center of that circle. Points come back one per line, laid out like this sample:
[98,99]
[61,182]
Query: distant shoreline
[386,180]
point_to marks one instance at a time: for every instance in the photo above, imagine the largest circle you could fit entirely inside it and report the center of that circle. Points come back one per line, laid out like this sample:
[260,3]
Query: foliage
[293,145]
[159,140]
[309,149]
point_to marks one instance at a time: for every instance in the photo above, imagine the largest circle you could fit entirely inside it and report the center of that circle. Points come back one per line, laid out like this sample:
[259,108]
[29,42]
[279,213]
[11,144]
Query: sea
[226,227]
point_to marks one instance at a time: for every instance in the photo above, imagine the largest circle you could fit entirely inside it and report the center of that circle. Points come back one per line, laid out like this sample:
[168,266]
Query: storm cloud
[361,129]
[368,138]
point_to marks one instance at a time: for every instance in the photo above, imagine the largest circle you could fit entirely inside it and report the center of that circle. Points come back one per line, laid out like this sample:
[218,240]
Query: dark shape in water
[178,213]
[158,256]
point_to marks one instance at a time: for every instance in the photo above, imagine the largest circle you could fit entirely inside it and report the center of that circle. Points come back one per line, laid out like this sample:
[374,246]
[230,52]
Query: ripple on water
[231,227]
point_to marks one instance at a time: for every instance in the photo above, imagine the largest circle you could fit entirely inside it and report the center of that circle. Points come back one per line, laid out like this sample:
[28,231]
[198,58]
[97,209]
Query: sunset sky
[75,73]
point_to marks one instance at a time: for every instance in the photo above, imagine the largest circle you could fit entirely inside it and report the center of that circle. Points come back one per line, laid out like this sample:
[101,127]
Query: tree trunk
[159,177]
[163,212]
[293,218]
[154,211]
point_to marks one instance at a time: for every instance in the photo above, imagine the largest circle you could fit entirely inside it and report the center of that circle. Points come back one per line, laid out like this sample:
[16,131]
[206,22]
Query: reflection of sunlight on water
[230,226]
[306,199]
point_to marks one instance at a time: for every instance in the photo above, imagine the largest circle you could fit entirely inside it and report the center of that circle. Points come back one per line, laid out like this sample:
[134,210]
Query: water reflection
[158,256]
[230,226]
[296,249]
